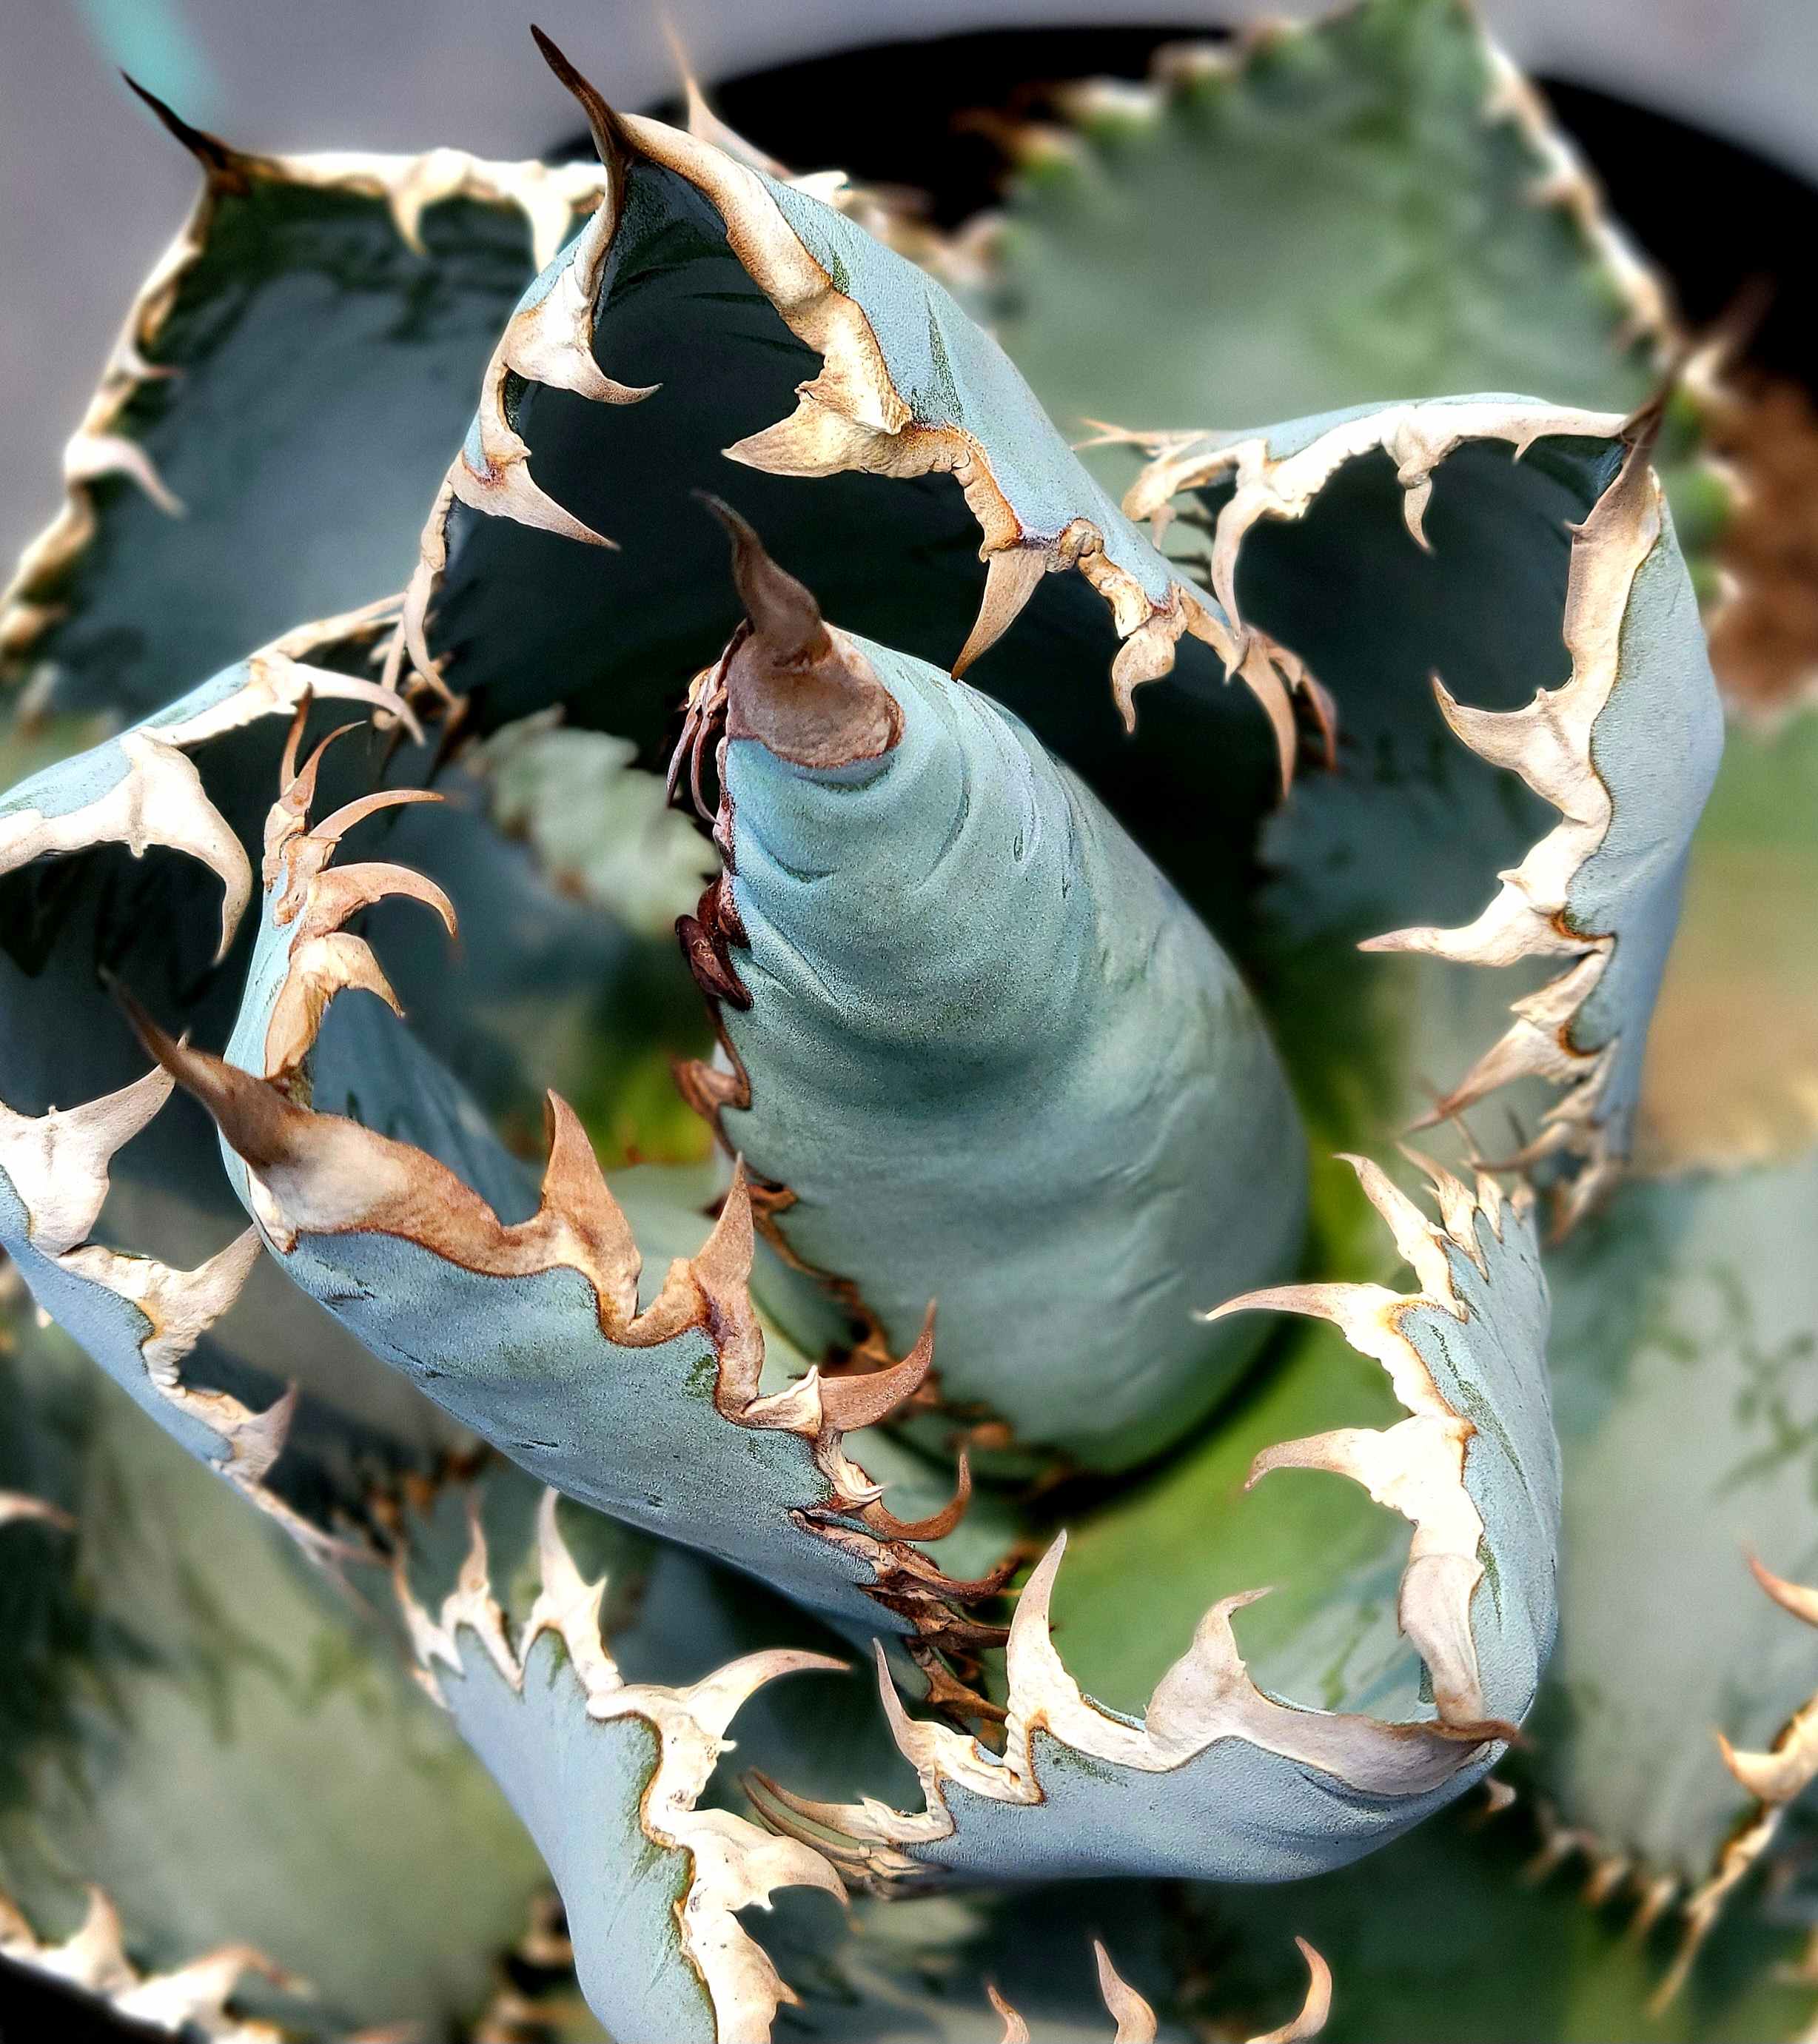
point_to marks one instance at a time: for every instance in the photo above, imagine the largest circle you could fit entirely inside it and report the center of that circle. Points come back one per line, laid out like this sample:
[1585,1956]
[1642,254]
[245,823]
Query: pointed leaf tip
[214,155]
[610,137]
[805,695]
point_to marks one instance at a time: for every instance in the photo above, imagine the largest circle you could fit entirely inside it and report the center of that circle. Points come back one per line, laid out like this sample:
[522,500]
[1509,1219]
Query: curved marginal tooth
[715,1700]
[1353,1309]
[504,488]
[158,801]
[319,968]
[1794,1598]
[1530,741]
[1415,1235]
[259,1440]
[849,1403]
[1777,1776]
[88,457]
[57,1161]
[937,1525]
[1135,2019]
[342,891]
[1015,2029]
[568,1606]
[1416,494]
[15,1505]
[334,827]
[277,680]
[575,1188]
[1012,576]
[1314,2010]
[1146,654]
[1260,673]
[550,341]
[1458,1202]
[437,175]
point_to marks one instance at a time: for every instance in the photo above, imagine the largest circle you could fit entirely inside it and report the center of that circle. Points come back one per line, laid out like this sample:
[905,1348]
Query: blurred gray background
[94,189]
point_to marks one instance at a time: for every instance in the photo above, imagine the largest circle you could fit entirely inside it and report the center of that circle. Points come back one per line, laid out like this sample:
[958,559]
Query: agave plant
[1179,918]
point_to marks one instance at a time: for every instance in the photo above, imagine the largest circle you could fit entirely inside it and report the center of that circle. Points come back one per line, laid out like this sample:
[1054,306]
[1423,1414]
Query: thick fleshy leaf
[1371,206]
[977,1047]
[1385,189]
[1491,591]
[869,420]
[181,1692]
[277,409]
[607,1775]
[1458,1931]
[1685,1317]
[1220,1779]
[124,857]
[135,859]
[522,1312]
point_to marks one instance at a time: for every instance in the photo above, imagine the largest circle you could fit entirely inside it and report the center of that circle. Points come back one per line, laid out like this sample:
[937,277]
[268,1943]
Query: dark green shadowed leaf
[1451,1937]
[277,409]
[183,1693]
[1491,591]
[865,420]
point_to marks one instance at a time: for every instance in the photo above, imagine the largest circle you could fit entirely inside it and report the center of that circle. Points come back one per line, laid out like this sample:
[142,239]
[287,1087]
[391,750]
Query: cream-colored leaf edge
[1416,1468]
[551,197]
[191,2000]
[733,1864]
[1548,742]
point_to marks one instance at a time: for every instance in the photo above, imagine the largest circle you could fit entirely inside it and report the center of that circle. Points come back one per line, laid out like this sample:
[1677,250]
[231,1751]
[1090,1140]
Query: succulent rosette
[1169,929]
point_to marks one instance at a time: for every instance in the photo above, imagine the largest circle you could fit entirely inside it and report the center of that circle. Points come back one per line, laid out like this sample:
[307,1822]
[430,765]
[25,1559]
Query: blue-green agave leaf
[64,831]
[1684,1316]
[179,1691]
[277,409]
[1623,743]
[609,1768]
[932,944]
[650,1402]
[1218,1779]
[607,1775]
[869,418]
[1369,206]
